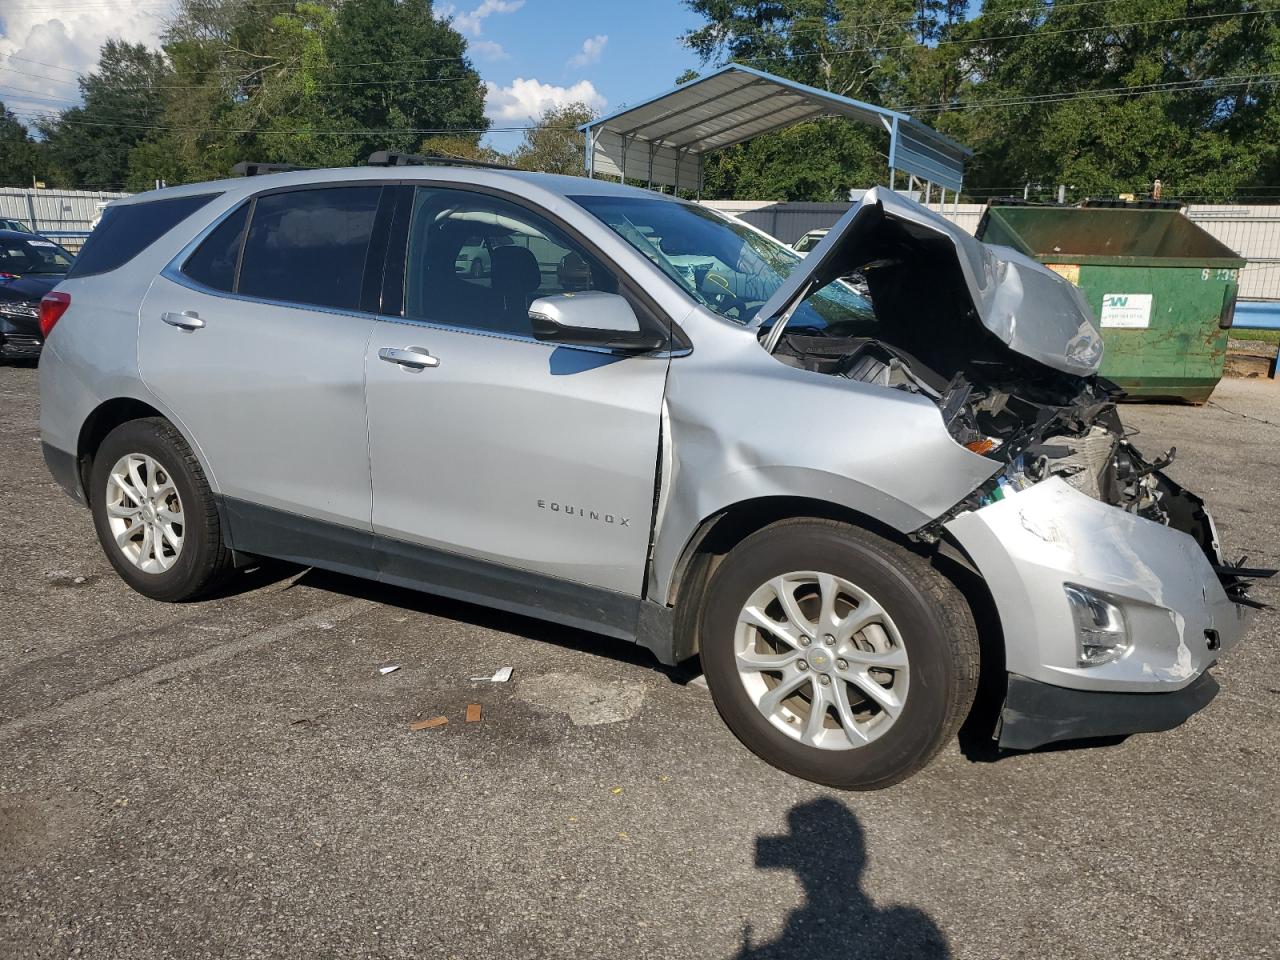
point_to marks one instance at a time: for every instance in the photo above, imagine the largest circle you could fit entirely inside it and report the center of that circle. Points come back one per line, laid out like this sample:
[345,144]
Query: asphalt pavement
[236,777]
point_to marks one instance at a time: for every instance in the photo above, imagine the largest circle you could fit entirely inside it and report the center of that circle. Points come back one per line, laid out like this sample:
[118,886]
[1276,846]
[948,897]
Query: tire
[203,559]
[922,652]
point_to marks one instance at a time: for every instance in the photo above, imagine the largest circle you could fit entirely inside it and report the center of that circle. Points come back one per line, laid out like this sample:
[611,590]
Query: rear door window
[125,231]
[309,246]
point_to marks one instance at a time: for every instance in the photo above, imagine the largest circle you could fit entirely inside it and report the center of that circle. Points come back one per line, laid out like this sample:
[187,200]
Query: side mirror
[591,319]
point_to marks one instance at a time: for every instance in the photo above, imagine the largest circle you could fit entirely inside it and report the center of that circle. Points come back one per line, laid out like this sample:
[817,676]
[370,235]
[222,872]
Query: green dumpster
[1162,289]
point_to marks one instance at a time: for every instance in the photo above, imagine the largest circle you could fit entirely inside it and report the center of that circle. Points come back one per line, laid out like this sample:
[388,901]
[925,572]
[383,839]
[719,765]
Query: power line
[1173,86]
[1026,35]
[32,115]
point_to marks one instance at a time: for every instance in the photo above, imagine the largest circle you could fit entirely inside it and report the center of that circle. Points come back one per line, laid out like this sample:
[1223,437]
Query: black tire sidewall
[919,729]
[185,577]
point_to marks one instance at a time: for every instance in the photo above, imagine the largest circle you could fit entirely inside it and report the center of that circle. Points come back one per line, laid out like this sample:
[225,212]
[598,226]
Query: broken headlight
[1101,635]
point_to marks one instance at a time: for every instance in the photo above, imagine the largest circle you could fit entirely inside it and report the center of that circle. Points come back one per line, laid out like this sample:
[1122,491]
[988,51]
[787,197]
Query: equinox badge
[572,511]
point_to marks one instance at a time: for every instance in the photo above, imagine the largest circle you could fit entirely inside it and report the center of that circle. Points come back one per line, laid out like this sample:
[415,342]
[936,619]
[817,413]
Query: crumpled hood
[1030,308]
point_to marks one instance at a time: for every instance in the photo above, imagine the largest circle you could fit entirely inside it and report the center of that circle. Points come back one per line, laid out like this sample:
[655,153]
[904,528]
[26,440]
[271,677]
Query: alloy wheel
[821,660]
[144,513]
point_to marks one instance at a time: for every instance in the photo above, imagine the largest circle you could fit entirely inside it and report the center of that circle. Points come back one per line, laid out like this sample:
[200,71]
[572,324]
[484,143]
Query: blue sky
[606,52]
[531,53]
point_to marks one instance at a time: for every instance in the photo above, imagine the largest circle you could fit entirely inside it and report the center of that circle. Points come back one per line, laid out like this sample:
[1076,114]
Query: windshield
[727,266]
[22,257]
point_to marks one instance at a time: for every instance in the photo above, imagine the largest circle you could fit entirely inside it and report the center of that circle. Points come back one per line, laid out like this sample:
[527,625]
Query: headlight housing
[27,311]
[1101,633]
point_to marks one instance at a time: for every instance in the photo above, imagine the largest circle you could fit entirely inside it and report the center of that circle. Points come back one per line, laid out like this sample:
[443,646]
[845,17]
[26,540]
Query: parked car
[809,241]
[30,266]
[17,226]
[812,490]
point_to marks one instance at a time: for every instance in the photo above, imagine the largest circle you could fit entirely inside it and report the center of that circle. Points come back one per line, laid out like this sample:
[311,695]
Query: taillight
[52,306]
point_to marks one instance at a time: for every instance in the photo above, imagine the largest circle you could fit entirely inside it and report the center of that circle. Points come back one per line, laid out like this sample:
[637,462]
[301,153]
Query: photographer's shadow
[826,849]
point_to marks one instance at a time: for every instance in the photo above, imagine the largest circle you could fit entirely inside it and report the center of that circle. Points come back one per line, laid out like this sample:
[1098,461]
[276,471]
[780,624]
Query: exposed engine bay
[920,333]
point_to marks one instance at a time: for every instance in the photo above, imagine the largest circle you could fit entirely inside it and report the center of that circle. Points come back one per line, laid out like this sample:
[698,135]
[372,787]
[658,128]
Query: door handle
[415,358]
[186,320]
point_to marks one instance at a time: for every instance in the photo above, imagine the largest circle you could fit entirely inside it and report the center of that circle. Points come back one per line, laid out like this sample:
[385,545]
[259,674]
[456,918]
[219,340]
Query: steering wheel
[716,289]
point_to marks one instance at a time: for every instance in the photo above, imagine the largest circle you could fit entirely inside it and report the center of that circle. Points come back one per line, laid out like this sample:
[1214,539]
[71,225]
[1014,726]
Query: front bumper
[20,337]
[1179,617]
[1037,713]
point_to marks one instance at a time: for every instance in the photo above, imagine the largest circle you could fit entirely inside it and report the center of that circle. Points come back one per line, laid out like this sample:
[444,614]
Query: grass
[1266,336]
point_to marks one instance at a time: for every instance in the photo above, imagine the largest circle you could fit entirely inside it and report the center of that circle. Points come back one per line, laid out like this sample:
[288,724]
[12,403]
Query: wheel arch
[721,531]
[113,413]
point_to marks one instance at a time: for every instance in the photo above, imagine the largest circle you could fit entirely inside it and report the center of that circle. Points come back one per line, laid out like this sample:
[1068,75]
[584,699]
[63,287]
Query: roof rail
[246,168]
[390,158]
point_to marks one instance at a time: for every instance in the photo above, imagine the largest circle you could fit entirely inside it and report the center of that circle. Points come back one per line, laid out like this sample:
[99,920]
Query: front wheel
[154,513]
[837,655]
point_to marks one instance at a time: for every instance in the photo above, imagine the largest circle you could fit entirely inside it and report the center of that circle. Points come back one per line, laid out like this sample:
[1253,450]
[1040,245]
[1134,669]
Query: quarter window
[128,229]
[309,246]
[479,261]
[214,262]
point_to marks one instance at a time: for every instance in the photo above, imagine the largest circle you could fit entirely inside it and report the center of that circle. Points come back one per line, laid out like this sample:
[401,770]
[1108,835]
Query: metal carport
[664,139]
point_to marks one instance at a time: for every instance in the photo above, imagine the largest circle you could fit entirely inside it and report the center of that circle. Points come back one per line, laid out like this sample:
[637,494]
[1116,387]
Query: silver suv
[642,419]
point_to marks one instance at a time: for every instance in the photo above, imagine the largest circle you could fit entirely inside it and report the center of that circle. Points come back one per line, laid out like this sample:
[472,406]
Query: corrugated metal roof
[663,139]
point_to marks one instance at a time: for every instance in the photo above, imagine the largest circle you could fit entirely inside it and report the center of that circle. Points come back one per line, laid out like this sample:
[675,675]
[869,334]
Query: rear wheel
[154,513]
[837,655]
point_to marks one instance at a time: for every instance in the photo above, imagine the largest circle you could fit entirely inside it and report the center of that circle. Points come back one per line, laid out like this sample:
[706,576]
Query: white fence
[1253,231]
[54,212]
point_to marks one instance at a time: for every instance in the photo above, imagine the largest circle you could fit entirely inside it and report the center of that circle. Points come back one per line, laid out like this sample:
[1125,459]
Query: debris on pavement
[473,713]
[501,675]
[428,724]
[389,668]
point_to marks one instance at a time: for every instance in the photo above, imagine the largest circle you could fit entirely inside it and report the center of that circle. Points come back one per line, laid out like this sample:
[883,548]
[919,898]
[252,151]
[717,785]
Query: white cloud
[592,50]
[473,22]
[67,34]
[488,50]
[525,99]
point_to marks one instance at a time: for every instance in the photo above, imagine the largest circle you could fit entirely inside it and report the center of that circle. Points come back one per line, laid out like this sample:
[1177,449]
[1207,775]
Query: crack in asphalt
[119,689]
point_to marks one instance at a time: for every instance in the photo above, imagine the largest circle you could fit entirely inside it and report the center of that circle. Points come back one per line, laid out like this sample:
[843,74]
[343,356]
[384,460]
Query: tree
[252,83]
[553,144]
[399,73]
[857,48]
[1108,99]
[811,161]
[89,145]
[459,147]
[19,154]
[1103,96]
[316,83]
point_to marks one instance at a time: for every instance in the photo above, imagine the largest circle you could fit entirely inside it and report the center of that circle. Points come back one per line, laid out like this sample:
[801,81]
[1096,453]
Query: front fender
[740,425]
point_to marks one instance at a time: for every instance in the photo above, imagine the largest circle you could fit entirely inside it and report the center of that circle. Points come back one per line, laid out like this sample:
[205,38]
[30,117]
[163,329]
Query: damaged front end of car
[1111,587]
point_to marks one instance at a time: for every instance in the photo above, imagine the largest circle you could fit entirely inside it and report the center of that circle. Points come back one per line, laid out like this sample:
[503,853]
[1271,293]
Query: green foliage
[553,144]
[1038,90]
[20,159]
[319,83]
[89,146]
[371,96]
[812,161]
[1205,141]
[459,147]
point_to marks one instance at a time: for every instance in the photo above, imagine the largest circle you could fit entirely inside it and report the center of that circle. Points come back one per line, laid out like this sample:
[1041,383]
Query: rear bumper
[1037,713]
[63,467]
